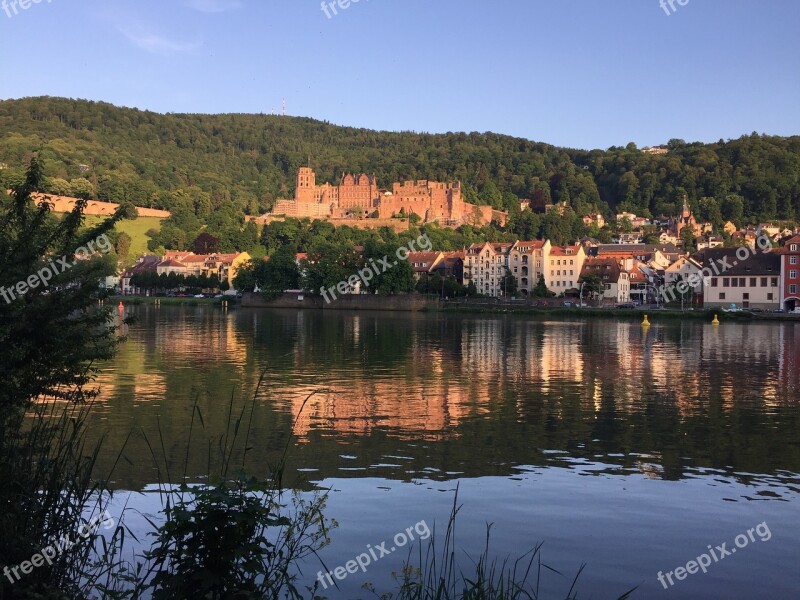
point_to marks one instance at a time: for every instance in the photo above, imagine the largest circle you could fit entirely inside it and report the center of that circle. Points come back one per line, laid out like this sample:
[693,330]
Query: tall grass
[438,574]
[48,492]
[238,536]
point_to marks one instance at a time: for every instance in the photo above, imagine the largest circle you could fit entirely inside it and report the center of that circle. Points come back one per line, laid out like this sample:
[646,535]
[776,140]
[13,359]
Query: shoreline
[419,304]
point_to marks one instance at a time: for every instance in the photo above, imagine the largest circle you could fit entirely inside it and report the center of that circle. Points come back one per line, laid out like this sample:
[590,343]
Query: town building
[451,265]
[563,265]
[790,273]
[613,275]
[486,266]
[710,241]
[684,269]
[144,264]
[751,282]
[423,263]
[594,219]
[657,150]
[526,263]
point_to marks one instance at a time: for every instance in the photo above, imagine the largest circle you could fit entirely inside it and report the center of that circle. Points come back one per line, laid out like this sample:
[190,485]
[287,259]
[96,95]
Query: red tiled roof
[171,263]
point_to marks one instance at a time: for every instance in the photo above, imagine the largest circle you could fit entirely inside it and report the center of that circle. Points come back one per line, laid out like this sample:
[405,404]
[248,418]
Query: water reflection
[470,395]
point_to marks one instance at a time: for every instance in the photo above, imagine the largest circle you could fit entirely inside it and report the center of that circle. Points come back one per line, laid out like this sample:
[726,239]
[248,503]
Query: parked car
[626,305]
[568,304]
[199,296]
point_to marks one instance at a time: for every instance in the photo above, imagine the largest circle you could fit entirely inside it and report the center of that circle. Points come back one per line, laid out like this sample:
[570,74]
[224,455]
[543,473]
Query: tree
[279,273]
[508,284]
[491,195]
[328,264]
[52,332]
[123,246]
[592,285]
[688,240]
[62,312]
[205,243]
[82,188]
[540,290]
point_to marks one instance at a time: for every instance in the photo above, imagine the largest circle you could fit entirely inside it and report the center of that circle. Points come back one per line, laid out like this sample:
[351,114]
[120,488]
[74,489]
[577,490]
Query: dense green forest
[239,164]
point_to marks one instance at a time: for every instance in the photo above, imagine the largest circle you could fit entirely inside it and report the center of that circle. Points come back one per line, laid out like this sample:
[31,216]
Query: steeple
[686,211]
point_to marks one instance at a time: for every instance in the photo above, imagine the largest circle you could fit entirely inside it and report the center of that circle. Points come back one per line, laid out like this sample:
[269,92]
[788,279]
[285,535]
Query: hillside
[244,162]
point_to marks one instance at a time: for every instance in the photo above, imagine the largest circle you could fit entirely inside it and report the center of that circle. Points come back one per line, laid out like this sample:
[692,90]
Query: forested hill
[121,154]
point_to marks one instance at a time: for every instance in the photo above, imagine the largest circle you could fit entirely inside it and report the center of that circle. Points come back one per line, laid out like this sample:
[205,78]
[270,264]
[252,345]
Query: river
[626,448]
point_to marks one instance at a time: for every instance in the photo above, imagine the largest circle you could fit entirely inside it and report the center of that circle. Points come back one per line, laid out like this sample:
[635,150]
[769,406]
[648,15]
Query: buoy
[715,321]
[645,323]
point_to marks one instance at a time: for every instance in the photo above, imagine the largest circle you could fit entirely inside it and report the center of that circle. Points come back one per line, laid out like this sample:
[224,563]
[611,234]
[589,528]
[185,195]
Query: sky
[574,73]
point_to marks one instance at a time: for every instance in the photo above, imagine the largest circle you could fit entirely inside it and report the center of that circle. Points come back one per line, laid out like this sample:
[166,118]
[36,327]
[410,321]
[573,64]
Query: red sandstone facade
[360,196]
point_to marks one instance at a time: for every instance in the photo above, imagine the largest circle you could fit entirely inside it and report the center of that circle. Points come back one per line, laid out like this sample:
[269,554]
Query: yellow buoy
[715,321]
[645,323]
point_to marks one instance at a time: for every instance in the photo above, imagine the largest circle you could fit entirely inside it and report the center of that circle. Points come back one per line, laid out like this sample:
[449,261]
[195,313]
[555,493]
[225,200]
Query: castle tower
[306,184]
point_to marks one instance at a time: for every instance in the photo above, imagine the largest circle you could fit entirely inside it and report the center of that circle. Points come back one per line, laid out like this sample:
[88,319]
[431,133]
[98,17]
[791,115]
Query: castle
[359,196]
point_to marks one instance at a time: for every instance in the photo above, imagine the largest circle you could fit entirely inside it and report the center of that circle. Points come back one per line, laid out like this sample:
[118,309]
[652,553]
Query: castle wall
[430,200]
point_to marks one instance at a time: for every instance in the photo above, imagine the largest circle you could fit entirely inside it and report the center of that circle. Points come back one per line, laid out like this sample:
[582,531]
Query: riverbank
[164,301]
[418,303]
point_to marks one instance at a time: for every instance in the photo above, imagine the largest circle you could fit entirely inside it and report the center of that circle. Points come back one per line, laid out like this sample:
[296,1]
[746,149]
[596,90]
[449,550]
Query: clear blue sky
[586,74]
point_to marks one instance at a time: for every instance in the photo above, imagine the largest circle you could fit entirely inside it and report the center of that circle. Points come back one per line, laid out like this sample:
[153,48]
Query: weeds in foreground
[48,493]
[439,575]
[236,537]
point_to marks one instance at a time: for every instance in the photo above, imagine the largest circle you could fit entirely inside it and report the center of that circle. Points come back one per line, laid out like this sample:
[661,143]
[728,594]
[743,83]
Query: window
[745,296]
[571,262]
[793,247]
[774,282]
[722,295]
[793,260]
[752,282]
[763,282]
[792,289]
[714,282]
[742,282]
[769,296]
[792,274]
[725,282]
[734,282]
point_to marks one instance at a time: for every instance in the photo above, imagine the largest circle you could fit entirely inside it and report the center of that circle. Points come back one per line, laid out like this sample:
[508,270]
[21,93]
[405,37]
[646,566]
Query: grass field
[137,229]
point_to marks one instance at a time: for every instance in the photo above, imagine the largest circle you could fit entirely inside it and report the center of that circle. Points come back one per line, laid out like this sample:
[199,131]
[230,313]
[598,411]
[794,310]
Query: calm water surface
[625,448]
